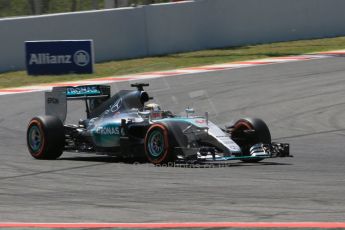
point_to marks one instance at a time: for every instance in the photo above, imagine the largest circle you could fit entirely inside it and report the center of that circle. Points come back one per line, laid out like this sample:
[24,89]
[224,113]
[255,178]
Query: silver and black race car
[126,125]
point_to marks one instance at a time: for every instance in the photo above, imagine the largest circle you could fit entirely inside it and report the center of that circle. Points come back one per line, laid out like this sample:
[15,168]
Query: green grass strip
[174,61]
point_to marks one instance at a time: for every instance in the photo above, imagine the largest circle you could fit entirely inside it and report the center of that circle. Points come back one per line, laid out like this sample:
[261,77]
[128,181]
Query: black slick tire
[158,145]
[261,135]
[45,137]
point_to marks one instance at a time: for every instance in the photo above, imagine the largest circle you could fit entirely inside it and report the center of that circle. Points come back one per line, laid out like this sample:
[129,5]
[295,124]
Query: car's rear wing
[93,95]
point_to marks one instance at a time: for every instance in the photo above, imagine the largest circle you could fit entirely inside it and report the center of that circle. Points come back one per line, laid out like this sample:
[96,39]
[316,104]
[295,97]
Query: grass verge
[173,61]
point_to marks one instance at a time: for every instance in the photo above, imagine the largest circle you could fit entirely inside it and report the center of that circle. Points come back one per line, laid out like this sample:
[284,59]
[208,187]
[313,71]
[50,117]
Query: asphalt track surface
[302,102]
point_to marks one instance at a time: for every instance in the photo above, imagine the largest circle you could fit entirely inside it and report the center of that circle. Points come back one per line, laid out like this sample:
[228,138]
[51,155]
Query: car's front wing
[257,152]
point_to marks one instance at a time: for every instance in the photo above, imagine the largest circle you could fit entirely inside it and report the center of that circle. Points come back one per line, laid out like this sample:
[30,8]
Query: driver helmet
[156,112]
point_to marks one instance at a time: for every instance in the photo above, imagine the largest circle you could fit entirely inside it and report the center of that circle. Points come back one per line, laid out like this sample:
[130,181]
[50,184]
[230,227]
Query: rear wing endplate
[56,100]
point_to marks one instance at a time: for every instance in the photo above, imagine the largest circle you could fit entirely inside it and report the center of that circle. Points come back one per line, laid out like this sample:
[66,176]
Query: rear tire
[261,135]
[45,137]
[158,145]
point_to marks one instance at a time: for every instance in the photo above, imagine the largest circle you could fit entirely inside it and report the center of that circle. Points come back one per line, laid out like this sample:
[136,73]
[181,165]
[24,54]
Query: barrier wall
[175,27]
[221,23]
[262,21]
[117,34]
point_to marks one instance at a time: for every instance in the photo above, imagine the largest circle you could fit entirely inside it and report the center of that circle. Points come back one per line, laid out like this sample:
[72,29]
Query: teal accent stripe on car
[199,122]
[82,91]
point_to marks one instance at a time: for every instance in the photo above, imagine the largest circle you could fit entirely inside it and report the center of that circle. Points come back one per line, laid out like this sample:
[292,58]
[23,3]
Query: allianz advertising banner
[59,57]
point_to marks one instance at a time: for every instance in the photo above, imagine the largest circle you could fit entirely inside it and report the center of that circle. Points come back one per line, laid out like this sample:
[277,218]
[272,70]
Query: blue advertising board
[59,57]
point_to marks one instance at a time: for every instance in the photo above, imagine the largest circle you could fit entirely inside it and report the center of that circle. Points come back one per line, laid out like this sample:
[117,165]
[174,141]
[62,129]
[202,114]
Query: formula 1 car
[125,125]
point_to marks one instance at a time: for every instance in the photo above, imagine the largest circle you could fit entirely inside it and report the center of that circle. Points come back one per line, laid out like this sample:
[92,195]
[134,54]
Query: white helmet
[152,107]
[156,112]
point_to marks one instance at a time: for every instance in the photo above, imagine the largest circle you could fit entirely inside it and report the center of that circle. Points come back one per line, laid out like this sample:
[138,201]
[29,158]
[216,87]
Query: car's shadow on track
[258,163]
[105,159]
[141,161]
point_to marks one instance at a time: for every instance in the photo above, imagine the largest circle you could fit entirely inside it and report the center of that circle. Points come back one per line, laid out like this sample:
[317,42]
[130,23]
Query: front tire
[261,134]
[45,137]
[158,147]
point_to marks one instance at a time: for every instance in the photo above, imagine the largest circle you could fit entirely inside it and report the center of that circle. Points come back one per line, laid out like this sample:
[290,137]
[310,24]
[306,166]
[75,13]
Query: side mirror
[190,111]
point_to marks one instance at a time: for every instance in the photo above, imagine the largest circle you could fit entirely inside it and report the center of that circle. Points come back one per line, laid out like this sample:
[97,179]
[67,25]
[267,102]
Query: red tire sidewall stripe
[242,123]
[166,143]
[39,125]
